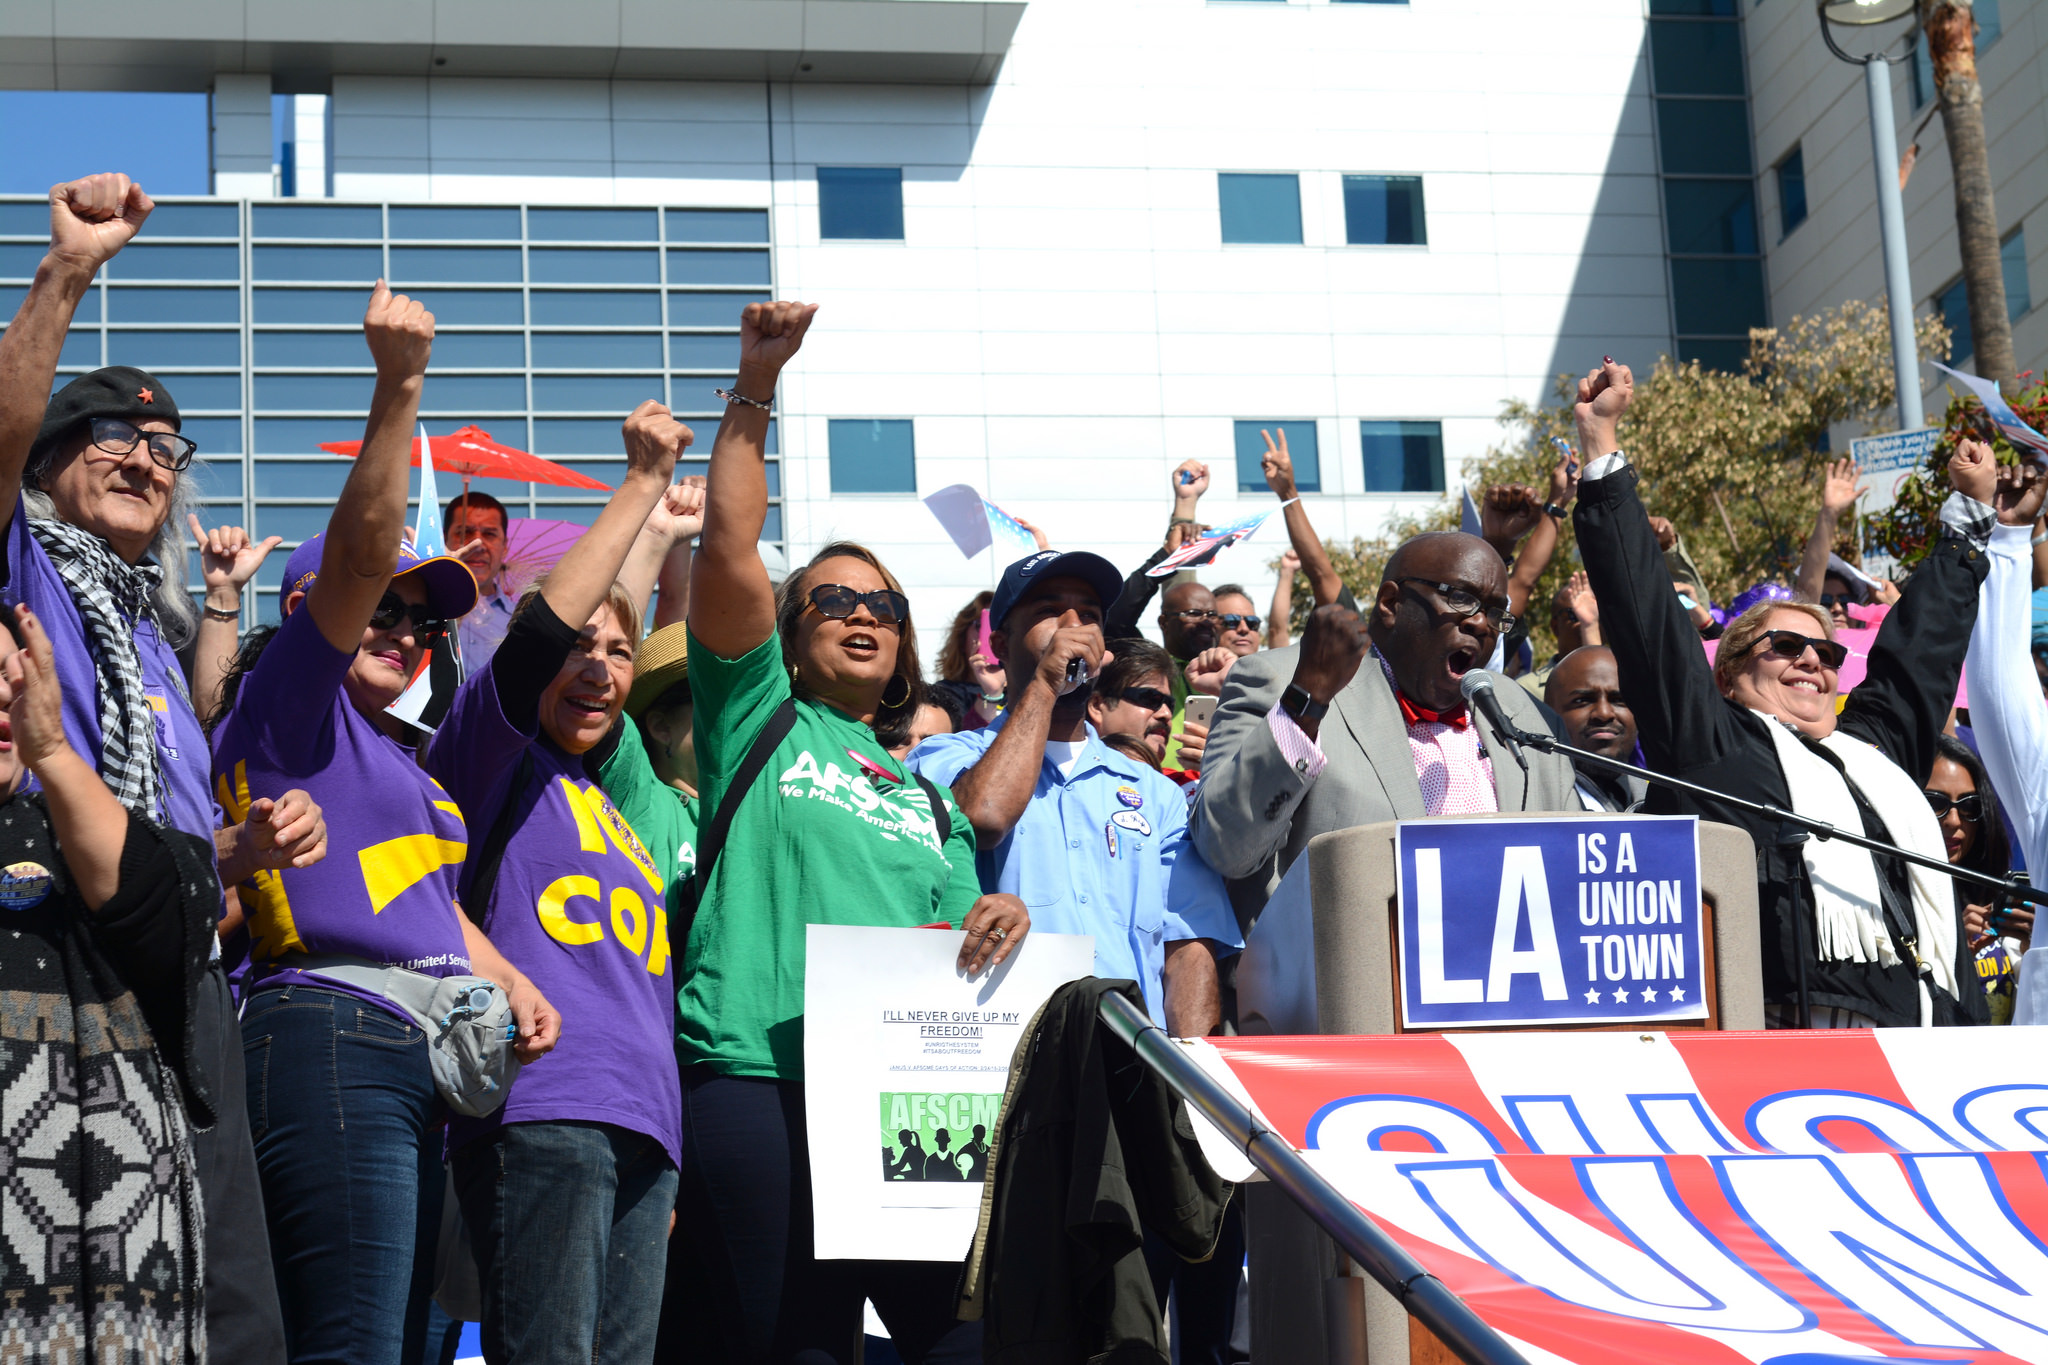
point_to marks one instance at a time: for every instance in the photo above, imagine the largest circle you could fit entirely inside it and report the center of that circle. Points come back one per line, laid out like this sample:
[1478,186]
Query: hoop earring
[901,686]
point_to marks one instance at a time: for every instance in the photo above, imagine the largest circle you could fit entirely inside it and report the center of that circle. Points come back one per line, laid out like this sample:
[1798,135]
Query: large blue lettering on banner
[1591,920]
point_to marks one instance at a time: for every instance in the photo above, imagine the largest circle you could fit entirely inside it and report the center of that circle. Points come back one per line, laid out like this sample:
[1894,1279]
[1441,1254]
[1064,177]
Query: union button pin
[24,885]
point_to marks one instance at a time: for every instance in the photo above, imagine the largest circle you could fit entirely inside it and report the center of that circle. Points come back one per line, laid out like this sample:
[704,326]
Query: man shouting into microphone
[1096,843]
[1364,720]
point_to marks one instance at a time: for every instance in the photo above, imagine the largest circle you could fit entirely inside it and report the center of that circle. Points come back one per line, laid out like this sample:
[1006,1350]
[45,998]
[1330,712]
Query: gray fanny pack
[467,1019]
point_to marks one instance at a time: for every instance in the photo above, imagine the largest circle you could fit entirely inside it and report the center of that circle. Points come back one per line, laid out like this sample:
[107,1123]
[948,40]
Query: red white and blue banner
[1712,1198]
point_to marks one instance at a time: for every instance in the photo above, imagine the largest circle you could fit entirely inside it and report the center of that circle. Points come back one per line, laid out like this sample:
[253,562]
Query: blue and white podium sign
[1541,922]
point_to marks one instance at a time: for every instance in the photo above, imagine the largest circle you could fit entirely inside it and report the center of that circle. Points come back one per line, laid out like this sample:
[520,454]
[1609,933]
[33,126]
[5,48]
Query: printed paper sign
[1595,920]
[1696,1198]
[974,524]
[1885,463]
[2008,422]
[905,1060]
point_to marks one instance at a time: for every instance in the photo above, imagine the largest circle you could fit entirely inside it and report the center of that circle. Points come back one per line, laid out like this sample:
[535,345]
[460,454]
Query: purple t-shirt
[395,840]
[579,908]
[180,740]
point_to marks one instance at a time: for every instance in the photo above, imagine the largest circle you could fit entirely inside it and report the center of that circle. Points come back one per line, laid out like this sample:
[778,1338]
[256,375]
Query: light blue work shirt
[1101,851]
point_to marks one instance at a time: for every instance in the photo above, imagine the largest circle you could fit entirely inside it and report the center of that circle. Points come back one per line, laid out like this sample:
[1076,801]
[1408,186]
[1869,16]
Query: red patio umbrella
[472,453]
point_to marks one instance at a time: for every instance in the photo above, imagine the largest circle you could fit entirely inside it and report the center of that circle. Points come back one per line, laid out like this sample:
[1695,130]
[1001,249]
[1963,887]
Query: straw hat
[662,661]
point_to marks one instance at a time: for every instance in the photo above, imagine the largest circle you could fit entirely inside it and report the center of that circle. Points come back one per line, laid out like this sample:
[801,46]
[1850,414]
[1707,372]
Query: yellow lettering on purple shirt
[587,833]
[554,916]
[620,833]
[392,868]
[657,954]
[265,907]
[626,904]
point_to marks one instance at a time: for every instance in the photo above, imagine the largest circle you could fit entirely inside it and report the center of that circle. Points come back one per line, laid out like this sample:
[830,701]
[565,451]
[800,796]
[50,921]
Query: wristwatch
[1551,509]
[1296,702]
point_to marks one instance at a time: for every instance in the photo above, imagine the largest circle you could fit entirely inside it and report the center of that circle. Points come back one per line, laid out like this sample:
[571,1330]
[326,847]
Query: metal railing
[1422,1295]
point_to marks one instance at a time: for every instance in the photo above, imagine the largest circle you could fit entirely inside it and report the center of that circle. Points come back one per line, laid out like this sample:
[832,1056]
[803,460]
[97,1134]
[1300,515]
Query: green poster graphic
[937,1137]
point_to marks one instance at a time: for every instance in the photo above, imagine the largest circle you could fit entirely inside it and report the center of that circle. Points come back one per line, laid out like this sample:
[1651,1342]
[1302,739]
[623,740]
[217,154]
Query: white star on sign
[1649,994]
[1678,994]
[1592,997]
[1620,996]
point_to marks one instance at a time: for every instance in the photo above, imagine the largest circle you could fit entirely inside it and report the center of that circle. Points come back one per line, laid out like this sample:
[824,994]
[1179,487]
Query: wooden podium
[1324,958]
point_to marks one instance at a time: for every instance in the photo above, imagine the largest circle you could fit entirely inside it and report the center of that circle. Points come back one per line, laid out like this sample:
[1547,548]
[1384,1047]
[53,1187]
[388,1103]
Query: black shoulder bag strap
[940,823]
[712,838]
[478,902]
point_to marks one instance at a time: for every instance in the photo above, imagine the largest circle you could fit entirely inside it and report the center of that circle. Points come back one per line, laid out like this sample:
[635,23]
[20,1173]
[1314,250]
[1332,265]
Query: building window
[1384,210]
[1260,209]
[1403,457]
[1792,191]
[861,203]
[1301,448]
[1953,303]
[873,455]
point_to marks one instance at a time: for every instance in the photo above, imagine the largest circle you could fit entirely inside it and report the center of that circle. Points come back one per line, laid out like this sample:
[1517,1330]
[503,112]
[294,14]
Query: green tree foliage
[1906,530]
[1733,459]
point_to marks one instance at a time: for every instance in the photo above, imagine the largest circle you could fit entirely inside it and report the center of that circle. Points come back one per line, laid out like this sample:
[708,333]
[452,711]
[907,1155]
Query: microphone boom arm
[2005,886]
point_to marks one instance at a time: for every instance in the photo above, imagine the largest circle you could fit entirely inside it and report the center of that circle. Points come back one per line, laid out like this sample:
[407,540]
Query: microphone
[1477,687]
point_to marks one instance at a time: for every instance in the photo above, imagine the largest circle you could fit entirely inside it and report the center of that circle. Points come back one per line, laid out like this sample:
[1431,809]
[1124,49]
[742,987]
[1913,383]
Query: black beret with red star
[116,391]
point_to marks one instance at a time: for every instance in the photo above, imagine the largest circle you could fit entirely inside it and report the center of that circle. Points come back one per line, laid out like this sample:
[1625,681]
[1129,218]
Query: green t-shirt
[664,818]
[816,841]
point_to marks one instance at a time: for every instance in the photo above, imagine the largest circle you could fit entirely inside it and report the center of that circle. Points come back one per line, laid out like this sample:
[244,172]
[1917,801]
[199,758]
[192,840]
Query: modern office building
[1061,245]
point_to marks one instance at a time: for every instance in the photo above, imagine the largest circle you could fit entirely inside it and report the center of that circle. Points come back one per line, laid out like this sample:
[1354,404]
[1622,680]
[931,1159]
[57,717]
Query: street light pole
[1891,223]
[1891,211]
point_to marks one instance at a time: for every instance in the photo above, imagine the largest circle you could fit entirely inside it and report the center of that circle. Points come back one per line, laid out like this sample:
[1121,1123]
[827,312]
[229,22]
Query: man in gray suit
[1363,721]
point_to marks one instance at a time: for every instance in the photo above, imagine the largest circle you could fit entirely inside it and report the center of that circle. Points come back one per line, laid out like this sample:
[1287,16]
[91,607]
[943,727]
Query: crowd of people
[328,993]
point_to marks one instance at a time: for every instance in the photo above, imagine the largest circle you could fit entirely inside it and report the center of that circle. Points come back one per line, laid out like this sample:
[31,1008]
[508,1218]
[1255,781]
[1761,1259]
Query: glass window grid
[237,498]
[1719,348]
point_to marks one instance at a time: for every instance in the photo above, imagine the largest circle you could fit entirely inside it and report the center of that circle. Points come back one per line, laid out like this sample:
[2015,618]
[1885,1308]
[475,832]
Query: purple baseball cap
[451,587]
[1760,592]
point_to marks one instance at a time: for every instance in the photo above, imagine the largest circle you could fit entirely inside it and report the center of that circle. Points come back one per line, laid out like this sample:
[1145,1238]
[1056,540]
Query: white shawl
[1848,915]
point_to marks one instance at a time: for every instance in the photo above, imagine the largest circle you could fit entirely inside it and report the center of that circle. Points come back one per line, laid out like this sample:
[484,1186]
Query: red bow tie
[1456,717]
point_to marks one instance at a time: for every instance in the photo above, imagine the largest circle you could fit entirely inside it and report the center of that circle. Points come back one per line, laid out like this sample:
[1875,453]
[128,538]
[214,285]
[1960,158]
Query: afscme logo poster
[905,1062]
[1719,1198]
[1550,921]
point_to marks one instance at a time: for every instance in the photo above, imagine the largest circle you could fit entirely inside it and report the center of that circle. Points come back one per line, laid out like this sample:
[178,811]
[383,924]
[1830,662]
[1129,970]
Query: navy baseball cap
[451,587]
[1097,572]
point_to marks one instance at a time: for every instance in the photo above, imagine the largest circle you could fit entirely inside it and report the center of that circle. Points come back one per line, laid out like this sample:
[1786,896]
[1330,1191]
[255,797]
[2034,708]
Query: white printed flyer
[905,1060]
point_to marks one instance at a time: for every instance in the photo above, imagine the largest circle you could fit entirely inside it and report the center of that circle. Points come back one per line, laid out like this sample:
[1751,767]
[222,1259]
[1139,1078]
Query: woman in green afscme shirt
[835,831]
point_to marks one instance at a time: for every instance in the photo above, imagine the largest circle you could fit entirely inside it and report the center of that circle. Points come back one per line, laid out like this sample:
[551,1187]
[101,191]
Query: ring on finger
[999,934]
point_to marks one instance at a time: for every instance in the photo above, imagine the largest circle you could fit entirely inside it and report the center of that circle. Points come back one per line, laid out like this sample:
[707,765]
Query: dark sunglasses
[1232,621]
[1840,599]
[170,450]
[838,601]
[1970,807]
[1149,698]
[1790,644]
[392,609]
[1193,615]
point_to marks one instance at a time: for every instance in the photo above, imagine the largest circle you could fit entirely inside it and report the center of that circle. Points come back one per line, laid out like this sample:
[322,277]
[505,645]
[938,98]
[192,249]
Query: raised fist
[1603,396]
[1973,470]
[679,516]
[2019,493]
[1190,480]
[400,332]
[654,439]
[93,218]
[770,334]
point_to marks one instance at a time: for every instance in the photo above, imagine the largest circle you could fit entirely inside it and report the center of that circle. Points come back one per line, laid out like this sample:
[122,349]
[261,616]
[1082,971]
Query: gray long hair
[177,619]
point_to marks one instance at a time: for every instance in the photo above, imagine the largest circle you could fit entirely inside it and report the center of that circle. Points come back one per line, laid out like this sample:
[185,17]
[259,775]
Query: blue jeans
[341,1100]
[570,1226]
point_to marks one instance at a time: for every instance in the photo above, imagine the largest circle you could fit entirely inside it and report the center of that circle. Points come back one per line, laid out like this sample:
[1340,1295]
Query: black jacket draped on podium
[1690,731]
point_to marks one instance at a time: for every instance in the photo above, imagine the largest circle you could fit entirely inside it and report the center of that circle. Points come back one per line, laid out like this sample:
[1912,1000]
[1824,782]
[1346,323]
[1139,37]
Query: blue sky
[51,136]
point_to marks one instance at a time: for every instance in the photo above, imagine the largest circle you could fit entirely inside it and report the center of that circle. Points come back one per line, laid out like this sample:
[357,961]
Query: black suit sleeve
[535,645]
[1681,718]
[1903,701]
[1121,621]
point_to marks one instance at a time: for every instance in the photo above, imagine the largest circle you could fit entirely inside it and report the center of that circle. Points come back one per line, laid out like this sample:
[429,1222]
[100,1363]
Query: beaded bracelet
[729,396]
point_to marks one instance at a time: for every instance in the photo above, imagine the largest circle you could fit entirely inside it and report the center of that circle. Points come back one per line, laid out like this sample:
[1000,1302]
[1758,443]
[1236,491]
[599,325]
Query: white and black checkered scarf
[112,595]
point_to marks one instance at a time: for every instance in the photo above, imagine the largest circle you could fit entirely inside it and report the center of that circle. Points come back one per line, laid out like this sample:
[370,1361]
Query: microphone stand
[2010,889]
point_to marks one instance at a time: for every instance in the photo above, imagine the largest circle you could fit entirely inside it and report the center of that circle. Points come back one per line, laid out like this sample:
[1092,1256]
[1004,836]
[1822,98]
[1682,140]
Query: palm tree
[1951,31]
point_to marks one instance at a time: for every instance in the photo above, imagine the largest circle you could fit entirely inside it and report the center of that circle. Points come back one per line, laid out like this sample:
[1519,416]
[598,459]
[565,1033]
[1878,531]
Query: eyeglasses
[1232,621]
[1460,603]
[1790,644]
[1194,614]
[392,609]
[1146,698]
[1840,599]
[1970,807]
[170,450]
[837,601]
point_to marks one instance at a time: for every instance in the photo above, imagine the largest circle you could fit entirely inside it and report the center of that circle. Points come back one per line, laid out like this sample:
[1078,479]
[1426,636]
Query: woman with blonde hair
[1851,938]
